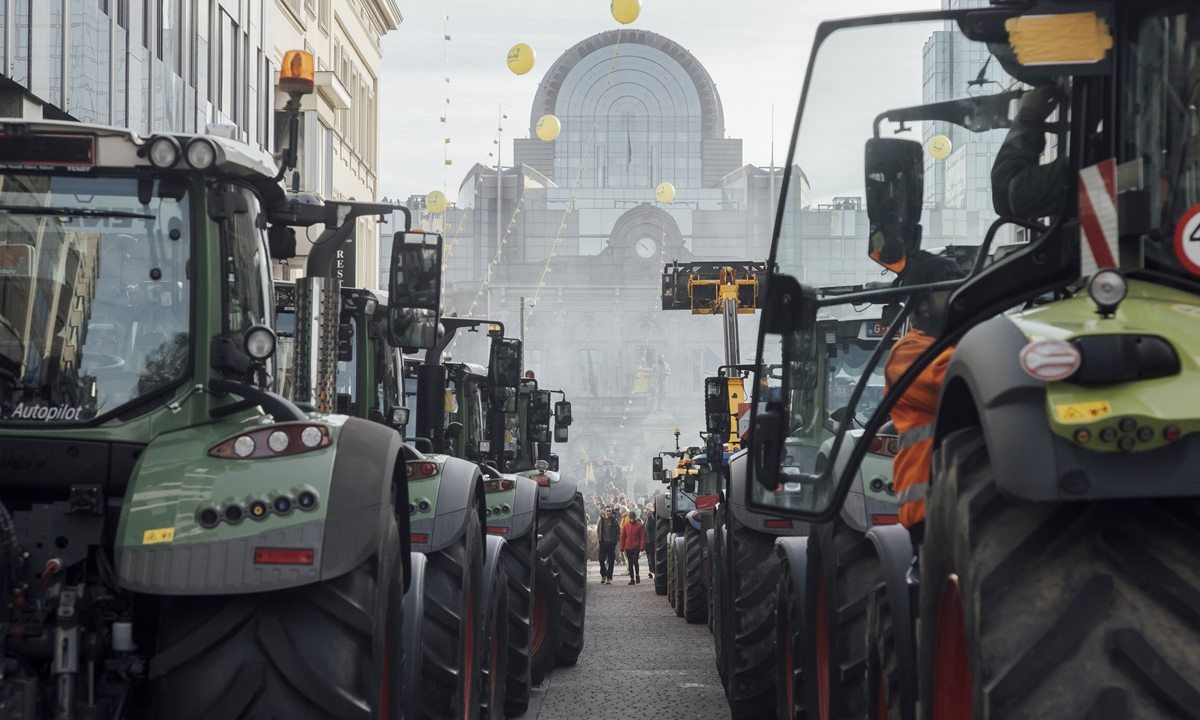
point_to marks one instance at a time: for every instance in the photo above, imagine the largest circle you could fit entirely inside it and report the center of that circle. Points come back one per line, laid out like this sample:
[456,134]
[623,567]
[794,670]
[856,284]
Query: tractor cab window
[387,392]
[844,367]
[95,294]
[1165,134]
[473,416]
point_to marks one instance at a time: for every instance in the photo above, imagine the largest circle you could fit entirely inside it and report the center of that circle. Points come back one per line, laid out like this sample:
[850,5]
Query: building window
[323,14]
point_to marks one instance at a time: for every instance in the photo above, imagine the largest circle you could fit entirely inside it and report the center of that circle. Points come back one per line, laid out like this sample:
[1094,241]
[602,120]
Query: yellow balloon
[521,58]
[625,11]
[548,127]
[939,147]
[665,192]
[435,202]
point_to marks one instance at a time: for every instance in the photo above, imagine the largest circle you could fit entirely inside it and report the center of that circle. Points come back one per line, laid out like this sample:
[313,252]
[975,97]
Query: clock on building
[646,247]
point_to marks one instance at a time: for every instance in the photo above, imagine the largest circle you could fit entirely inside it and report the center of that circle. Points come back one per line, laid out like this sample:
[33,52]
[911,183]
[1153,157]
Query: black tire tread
[695,596]
[789,631]
[1084,609]
[754,580]
[546,581]
[662,529]
[564,542]
[519,562]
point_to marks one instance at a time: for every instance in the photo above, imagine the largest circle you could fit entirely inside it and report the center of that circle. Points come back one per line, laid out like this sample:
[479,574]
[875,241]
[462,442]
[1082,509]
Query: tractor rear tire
[332,649]
[564,542]
[494,683]
[520,562]
[883,661]
[754,581]
[695,597]
[662,529]
[1061,609]
[680,565]
[843,568]
[547,608]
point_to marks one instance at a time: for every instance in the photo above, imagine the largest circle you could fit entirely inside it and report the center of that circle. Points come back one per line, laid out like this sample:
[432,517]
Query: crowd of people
[620,533]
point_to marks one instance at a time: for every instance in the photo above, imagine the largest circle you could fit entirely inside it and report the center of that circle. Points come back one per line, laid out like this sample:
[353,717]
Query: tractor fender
[739,475]
[524,510]
[558,494]
[893,546]
[493,547]
[660,506]
[343,532]
[460,491]
[854,510]
[985,386]
[794,551]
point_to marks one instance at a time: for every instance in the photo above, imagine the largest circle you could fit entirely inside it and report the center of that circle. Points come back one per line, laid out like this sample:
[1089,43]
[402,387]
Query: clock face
[645,248]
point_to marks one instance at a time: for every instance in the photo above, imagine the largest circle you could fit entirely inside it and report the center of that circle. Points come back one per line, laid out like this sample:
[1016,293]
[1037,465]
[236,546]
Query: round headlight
[1107,289]
[278,441]
[243,446]
[164,151]
[260,342]
[311,437]
[201,154]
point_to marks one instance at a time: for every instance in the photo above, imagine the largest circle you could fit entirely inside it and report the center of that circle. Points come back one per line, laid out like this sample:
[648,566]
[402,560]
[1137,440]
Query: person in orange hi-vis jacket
[916,411]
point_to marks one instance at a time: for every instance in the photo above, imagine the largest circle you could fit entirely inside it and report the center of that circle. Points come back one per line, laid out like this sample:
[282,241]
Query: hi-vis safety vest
[914,417]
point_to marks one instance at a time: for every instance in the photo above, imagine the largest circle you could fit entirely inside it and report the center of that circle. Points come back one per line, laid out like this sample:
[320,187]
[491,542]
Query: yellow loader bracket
[704,287]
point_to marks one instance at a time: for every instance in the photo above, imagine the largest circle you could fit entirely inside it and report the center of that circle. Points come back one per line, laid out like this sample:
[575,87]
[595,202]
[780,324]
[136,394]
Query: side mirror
[689,487]
[714,449]
[454,430]
[560,433]
[656,469]
[539,407]
[415,290]
[716,407]
[543,451]
[895,187]
[553,462]
[504,363]
[562,413]
[657,464]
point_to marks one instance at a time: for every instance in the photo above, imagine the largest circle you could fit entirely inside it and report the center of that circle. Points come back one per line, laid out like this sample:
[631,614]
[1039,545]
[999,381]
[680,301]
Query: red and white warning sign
[1098,217]
[1187,239]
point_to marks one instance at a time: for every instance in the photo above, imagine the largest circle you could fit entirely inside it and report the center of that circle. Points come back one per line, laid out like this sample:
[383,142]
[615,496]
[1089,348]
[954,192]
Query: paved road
[639,661]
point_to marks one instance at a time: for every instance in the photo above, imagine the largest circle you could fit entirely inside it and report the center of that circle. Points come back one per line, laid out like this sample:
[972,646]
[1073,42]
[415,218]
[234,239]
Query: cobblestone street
[639,660]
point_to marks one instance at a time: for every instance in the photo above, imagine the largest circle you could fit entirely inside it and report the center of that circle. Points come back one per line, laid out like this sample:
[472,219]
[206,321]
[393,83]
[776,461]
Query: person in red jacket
[633,541]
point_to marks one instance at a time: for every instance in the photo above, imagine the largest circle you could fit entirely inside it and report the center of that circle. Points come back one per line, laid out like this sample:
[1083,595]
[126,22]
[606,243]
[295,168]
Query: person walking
[608,534]
[633,541]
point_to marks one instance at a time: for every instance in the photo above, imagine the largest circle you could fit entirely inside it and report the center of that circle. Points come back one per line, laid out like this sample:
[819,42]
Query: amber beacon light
[296,72]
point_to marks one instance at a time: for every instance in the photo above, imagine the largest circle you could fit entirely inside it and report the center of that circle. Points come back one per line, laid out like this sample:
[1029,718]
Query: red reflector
[498,530]
[506,484]
[885,519]
[422,538]
[278,556]
[875,446]
[704,502]
[542,480]
[778,523]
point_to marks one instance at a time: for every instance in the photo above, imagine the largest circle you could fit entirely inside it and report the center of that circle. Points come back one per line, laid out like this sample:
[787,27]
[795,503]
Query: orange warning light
[296,72]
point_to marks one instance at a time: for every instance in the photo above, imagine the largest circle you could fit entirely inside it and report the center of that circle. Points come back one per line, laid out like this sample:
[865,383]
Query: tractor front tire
[564,542]
[695,598]
[1040,610]
[680,583]
[843,568]
[324,651]
[754,581]
[547,608]
[662,529]
[520,563]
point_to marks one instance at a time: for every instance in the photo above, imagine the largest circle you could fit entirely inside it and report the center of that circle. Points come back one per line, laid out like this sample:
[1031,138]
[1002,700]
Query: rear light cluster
[273,441]
[284,556]
[420,469]
[283,504]
[886,445]
[492,486]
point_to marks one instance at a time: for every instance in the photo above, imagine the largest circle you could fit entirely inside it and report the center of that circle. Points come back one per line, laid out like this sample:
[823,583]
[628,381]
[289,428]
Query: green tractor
[178,540]
[826,577]
[1055,564]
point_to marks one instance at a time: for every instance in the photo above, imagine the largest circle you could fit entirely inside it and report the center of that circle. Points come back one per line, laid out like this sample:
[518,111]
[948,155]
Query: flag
[582,454]
[591,377]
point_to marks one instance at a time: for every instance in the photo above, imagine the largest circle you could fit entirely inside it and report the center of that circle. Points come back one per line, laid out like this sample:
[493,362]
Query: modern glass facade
[149,65]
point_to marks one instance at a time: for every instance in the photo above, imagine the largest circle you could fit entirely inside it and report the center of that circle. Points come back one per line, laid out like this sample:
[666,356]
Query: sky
[756,53]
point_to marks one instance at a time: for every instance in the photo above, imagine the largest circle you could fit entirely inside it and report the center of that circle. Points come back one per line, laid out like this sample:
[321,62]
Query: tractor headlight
[1107,288]
[164,151]
[259,342]
[201,154]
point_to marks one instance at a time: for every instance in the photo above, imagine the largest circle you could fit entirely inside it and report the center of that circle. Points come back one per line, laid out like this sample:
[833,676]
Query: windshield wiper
[72,212]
